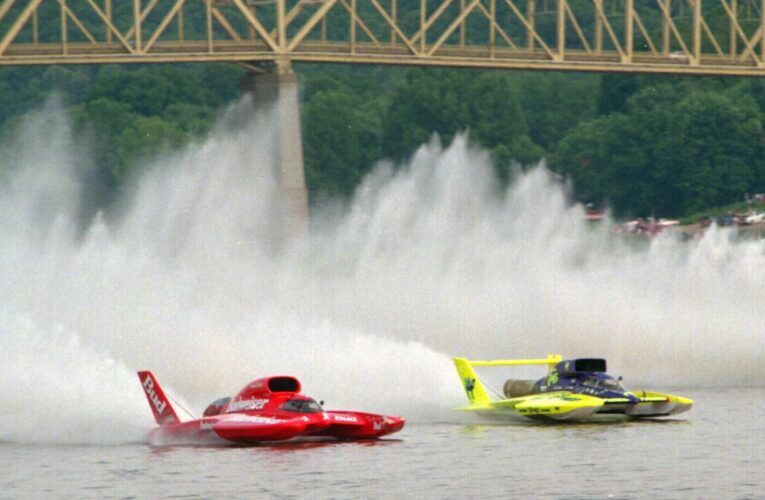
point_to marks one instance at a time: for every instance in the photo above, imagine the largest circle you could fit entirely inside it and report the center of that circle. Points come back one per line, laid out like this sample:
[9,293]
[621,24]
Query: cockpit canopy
[216,407]
[602,382]
[302,405]
[583,365]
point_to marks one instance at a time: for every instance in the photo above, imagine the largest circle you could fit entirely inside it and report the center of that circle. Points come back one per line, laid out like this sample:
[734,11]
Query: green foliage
[446,102]
[341,113]
[128,113]
[144,137]
[615,89]
[674,150]
[646,145]
[342,142]
[426,102]
[553,103]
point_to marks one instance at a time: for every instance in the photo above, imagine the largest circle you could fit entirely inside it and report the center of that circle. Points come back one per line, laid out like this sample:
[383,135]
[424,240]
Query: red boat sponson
[253,428]
[349,424]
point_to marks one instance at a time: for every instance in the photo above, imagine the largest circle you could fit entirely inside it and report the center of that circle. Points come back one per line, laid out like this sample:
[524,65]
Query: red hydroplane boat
[268,409]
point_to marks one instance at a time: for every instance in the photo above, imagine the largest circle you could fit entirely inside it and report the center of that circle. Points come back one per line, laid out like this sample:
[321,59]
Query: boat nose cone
[394,423]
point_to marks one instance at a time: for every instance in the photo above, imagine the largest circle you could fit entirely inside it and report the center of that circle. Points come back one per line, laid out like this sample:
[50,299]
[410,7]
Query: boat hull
[566,406]
[253,429]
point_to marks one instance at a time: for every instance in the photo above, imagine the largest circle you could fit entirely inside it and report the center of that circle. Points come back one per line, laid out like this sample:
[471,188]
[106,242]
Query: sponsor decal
[534,410]
[469,386]
[251,418]
[345,418]
[148,386]
[247,404]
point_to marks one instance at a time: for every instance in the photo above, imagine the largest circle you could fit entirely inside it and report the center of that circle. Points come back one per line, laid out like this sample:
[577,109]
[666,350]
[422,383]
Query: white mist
[428,261]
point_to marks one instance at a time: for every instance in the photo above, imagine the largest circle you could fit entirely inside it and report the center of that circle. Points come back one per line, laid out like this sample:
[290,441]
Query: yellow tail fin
[474,389]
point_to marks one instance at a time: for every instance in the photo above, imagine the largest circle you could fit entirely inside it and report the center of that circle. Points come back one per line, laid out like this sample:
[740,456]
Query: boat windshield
[302,406]
[607,384]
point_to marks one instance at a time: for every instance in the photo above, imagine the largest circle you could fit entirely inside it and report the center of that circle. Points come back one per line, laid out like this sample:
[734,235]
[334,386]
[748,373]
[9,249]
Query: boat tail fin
[474,389]
[159,403]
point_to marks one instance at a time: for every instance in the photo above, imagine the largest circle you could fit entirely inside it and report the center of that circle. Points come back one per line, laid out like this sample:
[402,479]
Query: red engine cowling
[267,387]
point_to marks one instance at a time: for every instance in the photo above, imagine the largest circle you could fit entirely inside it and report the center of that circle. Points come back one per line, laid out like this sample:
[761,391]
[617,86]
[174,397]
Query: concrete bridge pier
[278,87]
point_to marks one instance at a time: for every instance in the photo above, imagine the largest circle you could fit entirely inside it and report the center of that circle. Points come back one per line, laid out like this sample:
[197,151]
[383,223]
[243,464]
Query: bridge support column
[279,88]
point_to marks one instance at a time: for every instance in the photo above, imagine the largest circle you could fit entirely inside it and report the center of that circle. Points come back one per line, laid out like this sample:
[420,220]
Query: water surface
[716,450]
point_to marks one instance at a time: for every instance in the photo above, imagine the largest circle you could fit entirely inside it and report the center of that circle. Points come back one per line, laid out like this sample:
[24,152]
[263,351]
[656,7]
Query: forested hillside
[641,144]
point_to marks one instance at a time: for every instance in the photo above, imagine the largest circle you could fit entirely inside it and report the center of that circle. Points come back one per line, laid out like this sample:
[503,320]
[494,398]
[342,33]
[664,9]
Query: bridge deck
[710,37]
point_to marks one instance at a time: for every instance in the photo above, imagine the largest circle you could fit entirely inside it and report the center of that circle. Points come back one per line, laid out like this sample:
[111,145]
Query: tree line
[642,145]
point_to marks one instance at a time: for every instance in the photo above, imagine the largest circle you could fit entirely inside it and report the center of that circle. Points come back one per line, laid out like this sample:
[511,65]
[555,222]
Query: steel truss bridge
[704,37]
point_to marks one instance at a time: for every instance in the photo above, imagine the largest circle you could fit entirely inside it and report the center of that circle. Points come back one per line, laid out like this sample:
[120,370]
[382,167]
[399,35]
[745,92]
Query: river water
[185,273]
[714,451]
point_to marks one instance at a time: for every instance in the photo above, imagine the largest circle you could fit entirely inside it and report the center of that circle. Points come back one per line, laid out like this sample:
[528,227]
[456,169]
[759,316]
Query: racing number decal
[552,378]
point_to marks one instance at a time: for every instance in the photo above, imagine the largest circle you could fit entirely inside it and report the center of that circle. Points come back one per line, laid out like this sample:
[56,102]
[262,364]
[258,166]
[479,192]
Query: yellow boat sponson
[553,405]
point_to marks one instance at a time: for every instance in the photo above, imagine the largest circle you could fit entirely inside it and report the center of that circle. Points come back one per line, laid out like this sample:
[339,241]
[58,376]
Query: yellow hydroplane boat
[575,389]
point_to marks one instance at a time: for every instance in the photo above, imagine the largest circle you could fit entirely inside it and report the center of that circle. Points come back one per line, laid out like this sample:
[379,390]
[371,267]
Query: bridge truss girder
[715,37]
